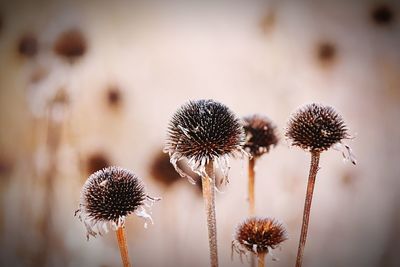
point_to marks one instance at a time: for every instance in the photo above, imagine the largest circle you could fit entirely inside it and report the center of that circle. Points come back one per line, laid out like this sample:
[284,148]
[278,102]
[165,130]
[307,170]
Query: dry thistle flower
[260,135]
[108,197]
[258,236]
[202,132]
[316,128]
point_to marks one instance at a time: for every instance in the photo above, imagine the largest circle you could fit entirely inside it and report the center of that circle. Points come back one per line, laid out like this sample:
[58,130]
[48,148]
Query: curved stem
[123,248]
[252,162]
[208,183]
[307,206]
[261,259]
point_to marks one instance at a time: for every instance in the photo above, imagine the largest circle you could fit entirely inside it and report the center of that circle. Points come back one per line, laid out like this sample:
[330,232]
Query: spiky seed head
[108,197]
[259,235]
[203,130]
[261,134]
[316,128]
[111,193]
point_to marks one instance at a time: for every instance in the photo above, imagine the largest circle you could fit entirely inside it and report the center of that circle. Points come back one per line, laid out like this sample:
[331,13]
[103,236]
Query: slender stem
[252,204]
[261,259]
[307,206]
[208,183]
[252,162]
[123,247]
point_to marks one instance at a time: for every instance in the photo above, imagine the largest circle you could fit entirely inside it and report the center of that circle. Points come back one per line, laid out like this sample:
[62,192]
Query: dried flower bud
[108,196]
[316,128]
[28,45]
[201,131]
[259,235]
[162,171]
[70,44]
[260,134]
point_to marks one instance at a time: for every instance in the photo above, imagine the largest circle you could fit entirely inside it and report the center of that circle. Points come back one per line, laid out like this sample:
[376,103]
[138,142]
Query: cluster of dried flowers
[206,133]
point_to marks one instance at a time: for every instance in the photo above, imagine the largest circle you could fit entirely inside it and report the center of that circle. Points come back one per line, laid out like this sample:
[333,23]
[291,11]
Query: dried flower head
[70,44]
[382,14]
[258,235]
[108,196]
[28,45]
[260,134]
[162,171]
[201,131]
[316,128]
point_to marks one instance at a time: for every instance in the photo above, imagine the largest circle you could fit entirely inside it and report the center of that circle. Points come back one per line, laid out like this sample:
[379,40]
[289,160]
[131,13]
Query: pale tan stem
[252,204]
[208,183]
[261,259]
[123,247]
[307,206]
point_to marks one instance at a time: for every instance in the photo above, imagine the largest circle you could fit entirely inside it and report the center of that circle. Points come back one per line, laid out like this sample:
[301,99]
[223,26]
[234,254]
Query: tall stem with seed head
[307,206]
[261,259]
[208,183]
[252,162]
[123,247]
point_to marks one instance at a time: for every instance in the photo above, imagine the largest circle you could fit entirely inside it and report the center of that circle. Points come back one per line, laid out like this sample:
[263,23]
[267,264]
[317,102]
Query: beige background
[253,56]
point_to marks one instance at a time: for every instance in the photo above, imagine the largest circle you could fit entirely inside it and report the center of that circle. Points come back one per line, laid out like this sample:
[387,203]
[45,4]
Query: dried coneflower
[107,198]
[204,132]
[316,128]
[28,45]
[70,45]
[258,236]
[261,135]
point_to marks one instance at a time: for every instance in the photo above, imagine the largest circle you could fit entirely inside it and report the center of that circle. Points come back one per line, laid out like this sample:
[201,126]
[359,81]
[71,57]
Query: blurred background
[85,85]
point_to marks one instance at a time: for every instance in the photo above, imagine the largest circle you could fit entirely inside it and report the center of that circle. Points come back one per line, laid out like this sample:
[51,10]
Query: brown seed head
[261,134]
[259,235]
[162,170]
[204,130]
[28,45]
[70,44]
[316,128]
[382,14]
[111,193]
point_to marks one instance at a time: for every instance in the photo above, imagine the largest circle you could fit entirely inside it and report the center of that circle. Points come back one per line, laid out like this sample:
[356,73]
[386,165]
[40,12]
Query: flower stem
[252,162]
[252,204]
[208,183]
[261,259]
[307,206]
[123,248]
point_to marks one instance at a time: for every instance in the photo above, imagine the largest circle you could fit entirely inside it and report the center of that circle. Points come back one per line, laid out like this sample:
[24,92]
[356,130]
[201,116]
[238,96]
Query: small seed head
[316,128]
[259,235]
[71,44]
[260,134]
